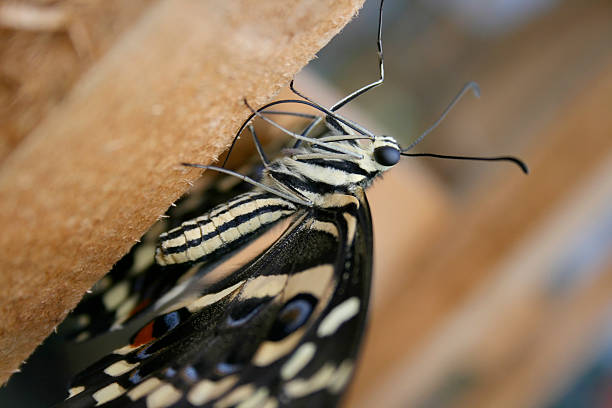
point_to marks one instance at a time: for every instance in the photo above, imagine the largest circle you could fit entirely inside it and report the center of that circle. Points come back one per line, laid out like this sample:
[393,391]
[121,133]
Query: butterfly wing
[283,330]
[136,282]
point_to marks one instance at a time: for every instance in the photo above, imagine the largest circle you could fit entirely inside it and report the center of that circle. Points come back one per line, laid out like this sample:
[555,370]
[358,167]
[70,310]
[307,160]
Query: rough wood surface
[98,170]
[44,48]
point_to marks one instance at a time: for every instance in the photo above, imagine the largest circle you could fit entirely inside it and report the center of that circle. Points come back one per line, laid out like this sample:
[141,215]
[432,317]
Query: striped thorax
[317,173]
[322,175]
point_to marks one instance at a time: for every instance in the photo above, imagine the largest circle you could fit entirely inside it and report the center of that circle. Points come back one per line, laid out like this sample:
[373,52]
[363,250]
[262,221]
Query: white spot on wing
[262,286]
[301,387]
[124,350]
[325,227]
[235,397]
[270,351]
[340,314]
[256,400]
[351,223]
[116,295]
[207,390]
[108,393]
[328,376]
[82,336]
[144,388]
[271,403]
[143,258]
[75,391]
[300,358]
[126,308]
[314,281]
[341,378]
[103,284]
[83,320]
[118,368]
[163,396]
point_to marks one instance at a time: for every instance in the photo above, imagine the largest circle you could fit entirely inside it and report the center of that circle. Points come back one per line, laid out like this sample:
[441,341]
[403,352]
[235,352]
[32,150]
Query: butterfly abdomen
[222,229]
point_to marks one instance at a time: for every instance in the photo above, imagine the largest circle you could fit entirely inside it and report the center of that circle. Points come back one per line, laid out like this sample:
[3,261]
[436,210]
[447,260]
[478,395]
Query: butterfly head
[385,152]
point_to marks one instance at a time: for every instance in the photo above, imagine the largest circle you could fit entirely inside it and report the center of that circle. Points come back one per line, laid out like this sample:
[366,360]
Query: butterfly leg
[260,150]
[300,137]
[292,198]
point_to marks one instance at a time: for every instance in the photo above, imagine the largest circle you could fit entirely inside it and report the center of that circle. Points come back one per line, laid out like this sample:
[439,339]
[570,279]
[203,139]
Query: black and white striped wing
[136,282]
[284,330]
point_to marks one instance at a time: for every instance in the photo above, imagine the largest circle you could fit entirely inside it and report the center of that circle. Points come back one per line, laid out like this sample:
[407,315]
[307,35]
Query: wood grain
[98,170]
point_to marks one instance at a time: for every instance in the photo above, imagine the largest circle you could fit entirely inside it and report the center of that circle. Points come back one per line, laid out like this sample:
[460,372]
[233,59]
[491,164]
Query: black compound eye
[386,155]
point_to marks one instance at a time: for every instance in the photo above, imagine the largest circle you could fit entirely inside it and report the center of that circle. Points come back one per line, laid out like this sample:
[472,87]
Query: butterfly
[284,329]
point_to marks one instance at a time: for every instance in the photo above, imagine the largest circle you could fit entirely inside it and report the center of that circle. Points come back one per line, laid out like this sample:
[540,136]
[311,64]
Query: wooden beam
[103,165]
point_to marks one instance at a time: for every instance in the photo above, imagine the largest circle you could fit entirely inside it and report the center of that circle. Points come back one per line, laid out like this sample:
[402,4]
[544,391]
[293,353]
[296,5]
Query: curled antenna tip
[521,164]
[511,159]
[475,88]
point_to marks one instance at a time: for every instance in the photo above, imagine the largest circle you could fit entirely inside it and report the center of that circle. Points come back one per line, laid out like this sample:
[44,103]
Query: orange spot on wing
[144,336]
[140,306]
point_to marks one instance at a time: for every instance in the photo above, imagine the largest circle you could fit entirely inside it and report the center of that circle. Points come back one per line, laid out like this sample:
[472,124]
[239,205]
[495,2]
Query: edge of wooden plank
[98,171]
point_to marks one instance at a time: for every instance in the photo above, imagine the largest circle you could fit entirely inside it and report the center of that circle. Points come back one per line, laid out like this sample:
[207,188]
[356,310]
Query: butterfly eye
[386,155]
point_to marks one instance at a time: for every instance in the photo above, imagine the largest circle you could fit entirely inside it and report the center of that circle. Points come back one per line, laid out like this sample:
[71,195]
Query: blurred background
[491,288]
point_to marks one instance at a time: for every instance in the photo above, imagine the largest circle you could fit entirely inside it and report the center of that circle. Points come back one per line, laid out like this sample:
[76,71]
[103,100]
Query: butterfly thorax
[318,172]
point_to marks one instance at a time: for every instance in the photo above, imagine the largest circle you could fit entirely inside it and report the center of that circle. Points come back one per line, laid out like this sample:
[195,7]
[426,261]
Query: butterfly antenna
[260,151]
[473,86]
[521,164]
[297,136]
[307,102]
[355,126]
[381,66]
[247,179]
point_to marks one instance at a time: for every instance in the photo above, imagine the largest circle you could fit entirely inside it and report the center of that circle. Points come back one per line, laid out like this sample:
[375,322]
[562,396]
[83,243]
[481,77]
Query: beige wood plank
[96,173]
